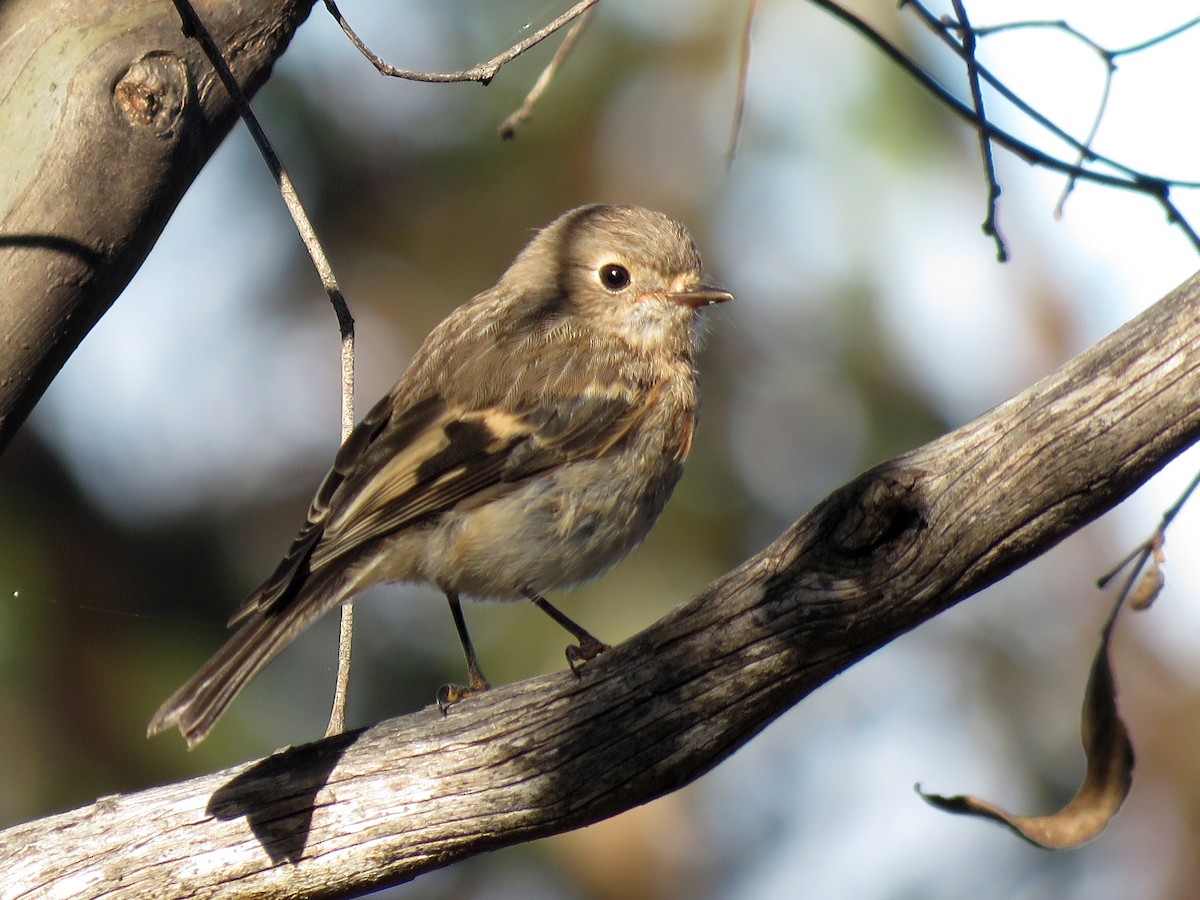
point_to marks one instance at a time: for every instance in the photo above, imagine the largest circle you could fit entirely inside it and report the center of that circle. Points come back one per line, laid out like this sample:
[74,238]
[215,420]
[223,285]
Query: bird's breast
[569,524]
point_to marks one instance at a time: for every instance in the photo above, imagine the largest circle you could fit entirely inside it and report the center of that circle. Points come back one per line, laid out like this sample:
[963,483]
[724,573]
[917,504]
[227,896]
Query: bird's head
[622,271]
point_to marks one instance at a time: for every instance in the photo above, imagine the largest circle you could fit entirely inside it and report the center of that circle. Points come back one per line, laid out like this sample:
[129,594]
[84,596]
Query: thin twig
[193,27]
[936,25]
[940,29]
[990,226]
[1109,59]
[341,681]
[1062,25]
[1026,151]
[1102,107]
[1143,550]
[508,128]
[739,105]
[1158,188]
[1158,39]
[484,72]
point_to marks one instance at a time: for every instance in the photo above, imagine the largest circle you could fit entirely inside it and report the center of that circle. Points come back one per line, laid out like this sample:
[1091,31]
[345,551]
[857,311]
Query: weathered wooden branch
[882,554]
[107,113]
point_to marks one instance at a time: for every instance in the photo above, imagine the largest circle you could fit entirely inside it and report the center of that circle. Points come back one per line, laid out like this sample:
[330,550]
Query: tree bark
[107,113]
[884,553]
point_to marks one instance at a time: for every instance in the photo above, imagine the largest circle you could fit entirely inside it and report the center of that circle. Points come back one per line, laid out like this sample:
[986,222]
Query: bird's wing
[397,469]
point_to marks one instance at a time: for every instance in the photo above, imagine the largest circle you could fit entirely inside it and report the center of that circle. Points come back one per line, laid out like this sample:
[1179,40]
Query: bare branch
[739,103]
[1128,179]
[484,72]
[193,27]
[967,36]
[1063,26]
[1108,58]
[1153,545]
[1101,108]
[508,128]
[939,28]
[896,546]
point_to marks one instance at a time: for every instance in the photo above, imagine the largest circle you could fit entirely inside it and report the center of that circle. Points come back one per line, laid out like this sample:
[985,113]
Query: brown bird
[530,445]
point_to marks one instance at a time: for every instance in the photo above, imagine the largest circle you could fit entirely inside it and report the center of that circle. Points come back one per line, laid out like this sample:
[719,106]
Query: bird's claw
[587,648]
[449,694]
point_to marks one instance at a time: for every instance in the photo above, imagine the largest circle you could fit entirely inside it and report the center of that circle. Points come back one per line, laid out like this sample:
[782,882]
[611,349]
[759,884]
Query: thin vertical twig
[990,225]
[193,27]
[739,105]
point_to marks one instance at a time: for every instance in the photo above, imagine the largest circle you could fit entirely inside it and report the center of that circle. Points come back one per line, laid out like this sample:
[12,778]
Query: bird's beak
[702,295]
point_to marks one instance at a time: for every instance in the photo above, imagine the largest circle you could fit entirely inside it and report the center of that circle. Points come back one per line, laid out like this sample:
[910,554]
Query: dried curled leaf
[1105,785]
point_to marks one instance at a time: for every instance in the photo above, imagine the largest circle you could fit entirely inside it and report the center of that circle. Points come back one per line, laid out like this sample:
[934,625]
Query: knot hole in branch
[875,512]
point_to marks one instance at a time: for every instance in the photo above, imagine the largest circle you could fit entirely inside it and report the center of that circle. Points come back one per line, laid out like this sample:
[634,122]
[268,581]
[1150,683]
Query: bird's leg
[588,646]
[449,694]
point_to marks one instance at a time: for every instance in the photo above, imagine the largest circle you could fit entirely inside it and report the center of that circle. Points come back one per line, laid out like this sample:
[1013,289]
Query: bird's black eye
[614,276]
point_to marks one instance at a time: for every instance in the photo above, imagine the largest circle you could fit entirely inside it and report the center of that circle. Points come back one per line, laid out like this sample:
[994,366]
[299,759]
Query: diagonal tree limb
[107,104]
[891,549]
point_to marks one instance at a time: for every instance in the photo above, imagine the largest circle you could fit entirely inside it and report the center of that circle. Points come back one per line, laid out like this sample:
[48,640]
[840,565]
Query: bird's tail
[197,705]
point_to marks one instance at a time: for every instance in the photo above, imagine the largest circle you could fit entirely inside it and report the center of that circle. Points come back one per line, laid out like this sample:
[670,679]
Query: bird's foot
[449,694]
[587,648]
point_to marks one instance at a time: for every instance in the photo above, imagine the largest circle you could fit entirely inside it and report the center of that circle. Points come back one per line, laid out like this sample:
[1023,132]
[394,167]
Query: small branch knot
[877,508]
[152,93]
